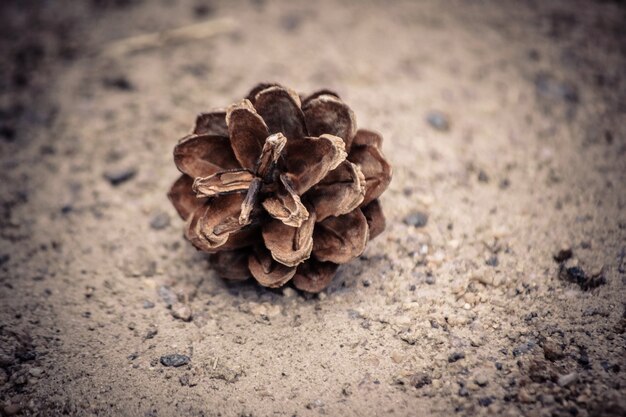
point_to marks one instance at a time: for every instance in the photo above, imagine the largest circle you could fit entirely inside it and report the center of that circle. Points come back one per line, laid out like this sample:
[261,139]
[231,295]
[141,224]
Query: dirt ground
[505,123]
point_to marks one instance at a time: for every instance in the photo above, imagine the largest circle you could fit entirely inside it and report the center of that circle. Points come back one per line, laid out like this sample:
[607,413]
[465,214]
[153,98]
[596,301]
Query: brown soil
[467,314]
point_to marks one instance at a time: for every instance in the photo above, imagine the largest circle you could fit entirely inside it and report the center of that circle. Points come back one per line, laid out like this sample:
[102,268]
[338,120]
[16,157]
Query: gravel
[174,360]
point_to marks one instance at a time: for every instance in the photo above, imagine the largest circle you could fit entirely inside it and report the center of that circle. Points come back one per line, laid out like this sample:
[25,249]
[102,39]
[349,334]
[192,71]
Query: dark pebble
[485,401]
[523,348]
[174,360]
[552,351]
[492,261]
[417,219]
[25,355]
[117,176]
[152,331]
[463,392]
[498,366]
[483,177]
[563,255]
[456,356]
[118,83]
[168,296]
[203,10]
[577,275]
[438,120]
[160,221]
[610,367]
[184,380]
[548,86]
[420,380]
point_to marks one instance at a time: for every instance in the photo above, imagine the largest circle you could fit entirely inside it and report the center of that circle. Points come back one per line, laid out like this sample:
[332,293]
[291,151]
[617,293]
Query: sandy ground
[464,315]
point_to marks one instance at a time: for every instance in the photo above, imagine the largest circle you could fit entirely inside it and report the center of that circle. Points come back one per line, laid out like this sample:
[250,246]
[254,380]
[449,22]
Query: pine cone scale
[203,155]
[247,131]
[280,109]
[328,114]
[342,238]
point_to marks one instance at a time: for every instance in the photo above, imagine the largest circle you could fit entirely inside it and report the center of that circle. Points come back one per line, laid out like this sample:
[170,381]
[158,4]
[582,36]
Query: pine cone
[281,188]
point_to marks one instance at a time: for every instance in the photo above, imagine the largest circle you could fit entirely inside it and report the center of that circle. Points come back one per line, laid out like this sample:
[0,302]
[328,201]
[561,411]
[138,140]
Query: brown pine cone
[281,188]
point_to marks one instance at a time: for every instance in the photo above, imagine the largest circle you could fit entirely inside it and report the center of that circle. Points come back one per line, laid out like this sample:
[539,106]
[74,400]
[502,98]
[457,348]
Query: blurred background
[497,288]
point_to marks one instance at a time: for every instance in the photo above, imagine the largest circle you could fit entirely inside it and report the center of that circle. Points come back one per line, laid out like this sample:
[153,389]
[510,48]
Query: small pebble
[417,219]
[117,176]
[182,312]
[485,401]
[420,380]
[160,221]
[481,379]
[438,120]
[456,356]
[563,255]
[552,351]
[151,332]
[565,380]
[174,360]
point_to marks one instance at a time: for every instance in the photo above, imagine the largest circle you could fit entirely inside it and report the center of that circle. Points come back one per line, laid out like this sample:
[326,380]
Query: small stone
[117,176]
[397,357]
[483,177]
[160,221]
[315,404]
[485,401]
[577,275]
[492,260]
[548,86]
[420,379]
[118,83]
[184,379]
[481,379]
[525,396]
[174,360]
[36,372]
[438,120]
[456,356]
[552,351]
[182,312]
[148,304]
[168,296]
[523,348]
[151,332]
[563,255]
[417,219]
[289,292]
[565,380]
